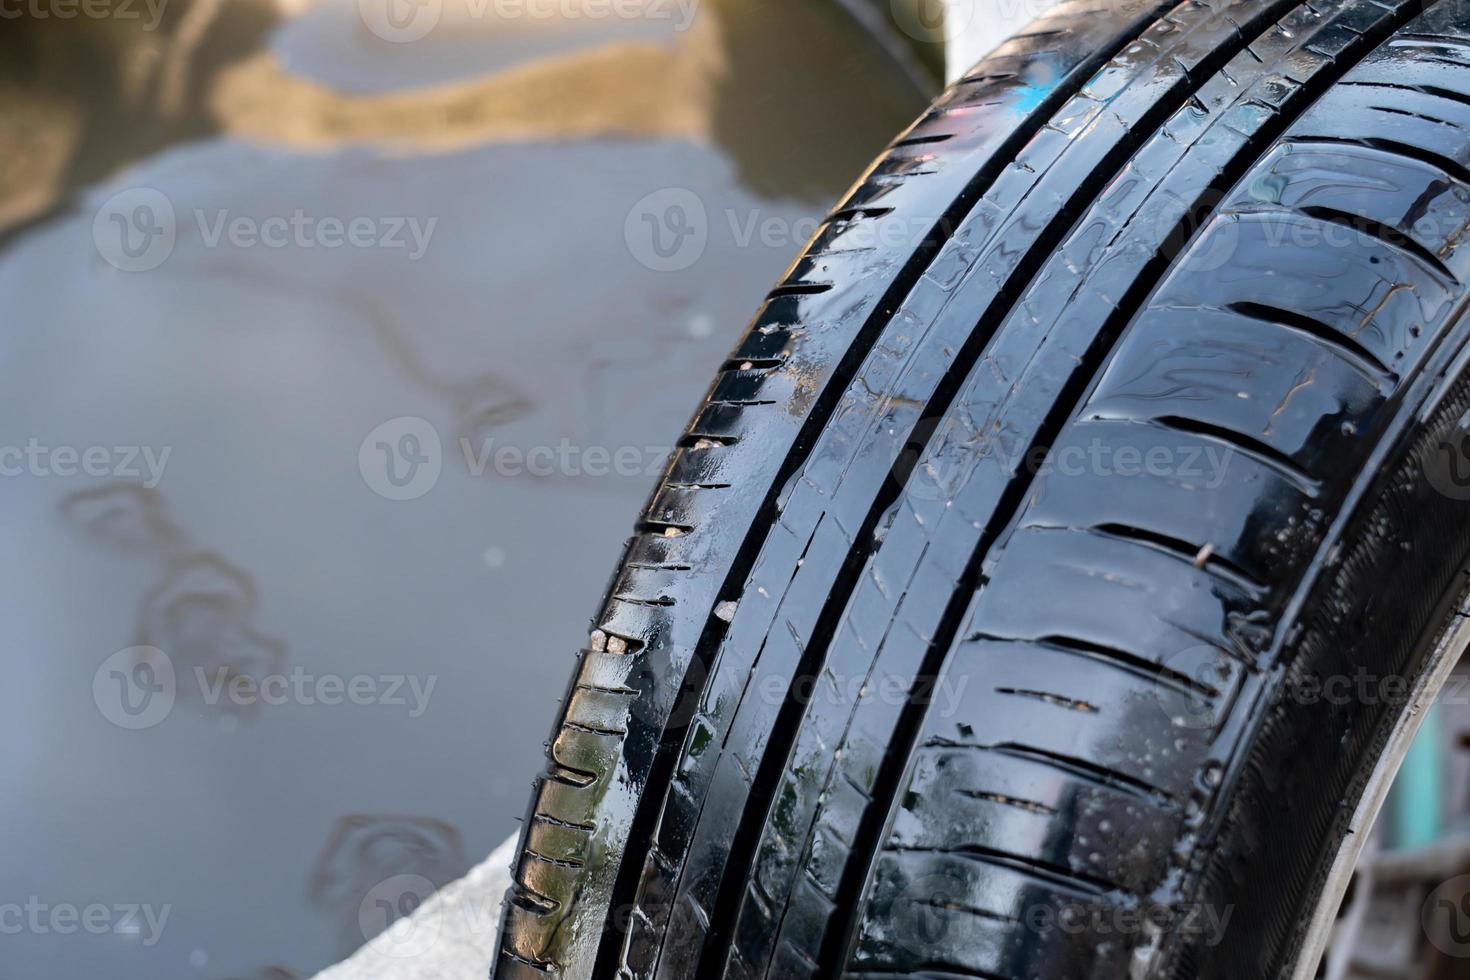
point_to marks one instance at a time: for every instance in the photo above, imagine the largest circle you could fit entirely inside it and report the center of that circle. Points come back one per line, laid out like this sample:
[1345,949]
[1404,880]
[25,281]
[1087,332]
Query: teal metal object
[1416,801]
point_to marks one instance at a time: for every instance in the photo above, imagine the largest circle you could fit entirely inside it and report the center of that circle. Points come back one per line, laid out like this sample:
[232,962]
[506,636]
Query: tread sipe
[953,642]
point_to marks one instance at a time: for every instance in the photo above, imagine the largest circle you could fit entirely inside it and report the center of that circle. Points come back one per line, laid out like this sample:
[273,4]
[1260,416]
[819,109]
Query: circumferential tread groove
[871,827]
[647,812]
[742,849]
[870,834]
[721,915]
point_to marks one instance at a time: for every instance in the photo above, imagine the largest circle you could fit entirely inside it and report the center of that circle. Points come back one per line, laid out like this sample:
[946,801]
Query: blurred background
[342,343]
[343,340]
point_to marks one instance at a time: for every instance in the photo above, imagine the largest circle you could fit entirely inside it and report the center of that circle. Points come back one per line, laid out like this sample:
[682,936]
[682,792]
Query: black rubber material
[967,604]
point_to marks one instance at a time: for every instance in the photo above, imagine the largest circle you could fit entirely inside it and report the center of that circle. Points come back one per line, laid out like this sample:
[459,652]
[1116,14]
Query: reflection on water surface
[307,523]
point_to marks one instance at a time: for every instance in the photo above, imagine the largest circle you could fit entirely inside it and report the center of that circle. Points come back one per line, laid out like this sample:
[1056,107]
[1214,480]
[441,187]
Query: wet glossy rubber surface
[943,681]
[731,464]
[1291,355]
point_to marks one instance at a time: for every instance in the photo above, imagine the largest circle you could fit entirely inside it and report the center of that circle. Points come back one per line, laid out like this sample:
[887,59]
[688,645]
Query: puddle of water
[469,39]
[333,374]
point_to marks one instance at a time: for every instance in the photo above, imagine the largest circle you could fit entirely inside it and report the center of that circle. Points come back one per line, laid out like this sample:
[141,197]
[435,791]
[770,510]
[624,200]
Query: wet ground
[339,352]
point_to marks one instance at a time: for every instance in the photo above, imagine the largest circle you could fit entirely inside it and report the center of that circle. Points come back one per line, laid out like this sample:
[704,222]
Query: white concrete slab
[450,937]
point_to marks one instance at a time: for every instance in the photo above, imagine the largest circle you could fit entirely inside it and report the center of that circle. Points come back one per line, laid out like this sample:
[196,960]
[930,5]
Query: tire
[980,624]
